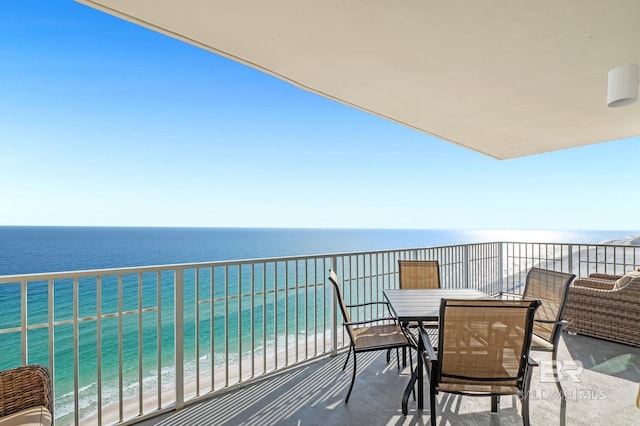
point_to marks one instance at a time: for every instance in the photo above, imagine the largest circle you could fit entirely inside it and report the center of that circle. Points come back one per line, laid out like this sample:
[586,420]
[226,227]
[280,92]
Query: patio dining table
[423,305]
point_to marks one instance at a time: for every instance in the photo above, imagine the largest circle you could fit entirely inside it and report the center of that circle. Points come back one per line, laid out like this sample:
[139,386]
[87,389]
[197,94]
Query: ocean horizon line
[41,249]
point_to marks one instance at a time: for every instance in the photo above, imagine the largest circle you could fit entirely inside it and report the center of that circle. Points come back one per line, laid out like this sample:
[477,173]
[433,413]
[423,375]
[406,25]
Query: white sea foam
[292,347]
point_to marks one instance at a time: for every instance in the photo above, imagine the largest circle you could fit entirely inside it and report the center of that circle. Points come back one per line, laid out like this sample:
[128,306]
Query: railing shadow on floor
[308,394]
[612,359]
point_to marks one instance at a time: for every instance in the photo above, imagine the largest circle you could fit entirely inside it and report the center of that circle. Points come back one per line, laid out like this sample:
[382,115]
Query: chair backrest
[419,273]
[333,277]
[484,341]
[551,288]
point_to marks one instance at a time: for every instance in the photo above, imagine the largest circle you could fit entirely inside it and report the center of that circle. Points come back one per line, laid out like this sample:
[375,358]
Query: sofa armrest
[626,298]
[25,387]
[605,314]
[593,283]
[609,277]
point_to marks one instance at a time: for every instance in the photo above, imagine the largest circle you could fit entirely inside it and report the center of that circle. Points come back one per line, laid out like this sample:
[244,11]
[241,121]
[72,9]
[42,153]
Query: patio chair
[483,350]
[26,396]
[418,274]
[551,288]
[369,335]
[606,308]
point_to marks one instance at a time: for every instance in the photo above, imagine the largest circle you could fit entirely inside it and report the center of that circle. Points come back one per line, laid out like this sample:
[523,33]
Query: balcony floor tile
[601,382]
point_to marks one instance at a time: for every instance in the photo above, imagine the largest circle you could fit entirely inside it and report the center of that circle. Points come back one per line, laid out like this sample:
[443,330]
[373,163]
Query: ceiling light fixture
[623,86]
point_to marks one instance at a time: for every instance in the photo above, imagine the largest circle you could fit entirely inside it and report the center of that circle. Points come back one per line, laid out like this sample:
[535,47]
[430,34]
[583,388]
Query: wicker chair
[23,392]
[551,288]
[483,351]
[370,335]
[597,307]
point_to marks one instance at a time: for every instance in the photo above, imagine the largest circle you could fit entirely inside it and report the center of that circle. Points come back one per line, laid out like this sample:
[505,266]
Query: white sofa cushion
[34,416]
[624,280]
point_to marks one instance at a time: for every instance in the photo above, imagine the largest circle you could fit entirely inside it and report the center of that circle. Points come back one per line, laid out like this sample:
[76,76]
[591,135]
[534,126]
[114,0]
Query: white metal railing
[125,344]
[579,259]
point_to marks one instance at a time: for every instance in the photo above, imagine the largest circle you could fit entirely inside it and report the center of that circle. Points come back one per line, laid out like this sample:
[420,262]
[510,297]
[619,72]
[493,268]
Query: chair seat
[378,337]
[502,388]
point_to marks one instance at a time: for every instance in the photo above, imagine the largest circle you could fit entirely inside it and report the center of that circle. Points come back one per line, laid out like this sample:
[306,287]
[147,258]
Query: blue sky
[103,122]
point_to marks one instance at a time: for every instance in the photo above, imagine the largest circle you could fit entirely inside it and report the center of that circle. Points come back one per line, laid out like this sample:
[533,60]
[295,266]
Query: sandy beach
[194,388]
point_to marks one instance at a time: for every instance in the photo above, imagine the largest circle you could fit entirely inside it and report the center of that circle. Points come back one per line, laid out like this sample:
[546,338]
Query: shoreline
[111,412]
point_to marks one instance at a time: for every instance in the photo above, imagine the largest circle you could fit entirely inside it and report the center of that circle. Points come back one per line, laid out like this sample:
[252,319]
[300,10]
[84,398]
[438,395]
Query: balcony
[601,391]
[256,340]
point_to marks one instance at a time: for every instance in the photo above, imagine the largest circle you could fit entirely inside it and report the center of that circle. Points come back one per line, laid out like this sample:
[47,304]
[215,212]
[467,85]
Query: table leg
[420,373]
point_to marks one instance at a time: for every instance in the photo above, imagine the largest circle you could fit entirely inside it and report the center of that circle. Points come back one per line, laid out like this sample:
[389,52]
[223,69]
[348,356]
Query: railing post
[501,247]
[465,264]
[334,312]
[24,346]
[570,257]
[51,318]
[179,335]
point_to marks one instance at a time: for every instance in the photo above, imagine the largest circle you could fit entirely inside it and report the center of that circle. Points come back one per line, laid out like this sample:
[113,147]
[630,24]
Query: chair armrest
[558,322]
[370,321]
[359,305]
[429,356]
[25,387]
[428,347]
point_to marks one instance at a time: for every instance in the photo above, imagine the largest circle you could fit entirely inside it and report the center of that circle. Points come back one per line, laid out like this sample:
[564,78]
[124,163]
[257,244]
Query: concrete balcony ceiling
[503,78]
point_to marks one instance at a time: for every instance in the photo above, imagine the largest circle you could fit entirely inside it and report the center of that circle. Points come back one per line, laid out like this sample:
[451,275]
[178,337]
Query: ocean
[26,250]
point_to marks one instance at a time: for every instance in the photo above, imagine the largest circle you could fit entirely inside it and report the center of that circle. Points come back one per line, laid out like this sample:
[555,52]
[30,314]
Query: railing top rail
[41,276]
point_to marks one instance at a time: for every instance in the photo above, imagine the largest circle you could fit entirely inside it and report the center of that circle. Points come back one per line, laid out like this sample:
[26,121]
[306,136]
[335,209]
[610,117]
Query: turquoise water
[87,289]
[32,250]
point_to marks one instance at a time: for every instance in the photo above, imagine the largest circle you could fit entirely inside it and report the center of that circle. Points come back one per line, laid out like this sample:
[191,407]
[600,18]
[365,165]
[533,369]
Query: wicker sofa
[605,306]
[26,396]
